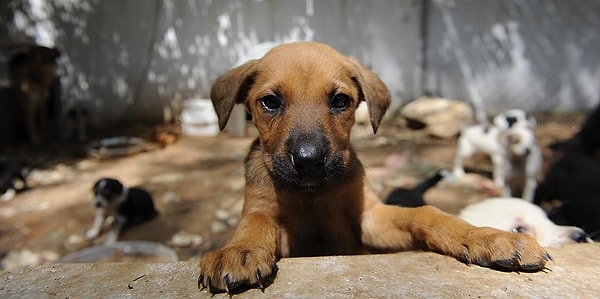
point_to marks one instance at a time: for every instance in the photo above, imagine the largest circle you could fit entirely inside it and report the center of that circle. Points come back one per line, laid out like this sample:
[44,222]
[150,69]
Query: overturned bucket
[198,118]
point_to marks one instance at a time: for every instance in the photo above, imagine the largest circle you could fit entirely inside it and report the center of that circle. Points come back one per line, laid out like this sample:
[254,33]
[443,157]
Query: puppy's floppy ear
[531,120]
[231,88]
[373,91]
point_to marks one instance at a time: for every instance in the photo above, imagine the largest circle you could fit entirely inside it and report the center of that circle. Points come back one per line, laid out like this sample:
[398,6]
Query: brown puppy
[306,192]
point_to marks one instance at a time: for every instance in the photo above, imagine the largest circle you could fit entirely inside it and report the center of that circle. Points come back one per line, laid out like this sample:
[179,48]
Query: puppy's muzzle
[511,120]
[100,201]
[579,236]
[308,163]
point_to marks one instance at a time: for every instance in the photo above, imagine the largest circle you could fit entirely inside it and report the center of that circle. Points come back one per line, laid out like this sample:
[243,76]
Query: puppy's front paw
[91,234]
[234,269]
[505,251]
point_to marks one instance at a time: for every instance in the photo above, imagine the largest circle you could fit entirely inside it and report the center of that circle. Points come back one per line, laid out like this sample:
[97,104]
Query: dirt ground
[197,185]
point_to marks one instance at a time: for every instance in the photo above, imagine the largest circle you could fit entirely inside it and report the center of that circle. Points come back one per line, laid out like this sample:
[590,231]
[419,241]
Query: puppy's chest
[112,208]
[518,162]
[316,234]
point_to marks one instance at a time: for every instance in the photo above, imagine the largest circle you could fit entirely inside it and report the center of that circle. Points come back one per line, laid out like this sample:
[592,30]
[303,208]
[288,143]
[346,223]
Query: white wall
[130,59]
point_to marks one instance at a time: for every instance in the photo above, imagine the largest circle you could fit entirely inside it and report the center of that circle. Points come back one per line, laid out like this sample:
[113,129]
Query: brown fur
[287,214]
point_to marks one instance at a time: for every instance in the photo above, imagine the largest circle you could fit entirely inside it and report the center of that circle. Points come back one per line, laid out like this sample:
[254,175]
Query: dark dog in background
[36,88]
[413,197]
[571,187]
[13,176]
[128,206]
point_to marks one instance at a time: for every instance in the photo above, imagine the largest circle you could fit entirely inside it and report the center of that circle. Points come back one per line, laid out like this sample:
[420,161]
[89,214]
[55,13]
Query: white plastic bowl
[124,251]
[116,147]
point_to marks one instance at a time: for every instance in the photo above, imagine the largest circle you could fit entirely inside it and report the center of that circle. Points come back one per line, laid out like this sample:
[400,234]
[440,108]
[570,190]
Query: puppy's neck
[123,196]
[345,192]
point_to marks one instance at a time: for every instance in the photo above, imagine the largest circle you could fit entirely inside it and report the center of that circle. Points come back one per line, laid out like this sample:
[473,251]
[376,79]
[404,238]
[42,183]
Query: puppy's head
[302,97]
[514,118]
[105,191]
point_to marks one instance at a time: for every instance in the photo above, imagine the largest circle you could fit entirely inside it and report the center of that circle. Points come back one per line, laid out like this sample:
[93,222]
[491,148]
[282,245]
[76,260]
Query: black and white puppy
[128,206]
[511,144]
[13,177]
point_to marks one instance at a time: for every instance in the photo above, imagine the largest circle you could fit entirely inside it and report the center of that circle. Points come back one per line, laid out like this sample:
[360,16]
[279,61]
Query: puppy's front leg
[502,167]
[115,230]
[391,228]
[529,189]
[247,261]
[94,231]
[458,170]
[532,167]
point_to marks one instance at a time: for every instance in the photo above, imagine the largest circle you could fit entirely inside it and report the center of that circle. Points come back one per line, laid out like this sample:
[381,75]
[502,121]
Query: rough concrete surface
[573,274]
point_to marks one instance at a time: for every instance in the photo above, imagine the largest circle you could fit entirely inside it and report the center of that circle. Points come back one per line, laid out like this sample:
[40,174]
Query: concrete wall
[537,54]
[131,59]
[571,274]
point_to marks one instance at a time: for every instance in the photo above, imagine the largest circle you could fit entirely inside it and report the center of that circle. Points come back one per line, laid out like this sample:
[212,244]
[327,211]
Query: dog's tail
[426,184]
[413,197]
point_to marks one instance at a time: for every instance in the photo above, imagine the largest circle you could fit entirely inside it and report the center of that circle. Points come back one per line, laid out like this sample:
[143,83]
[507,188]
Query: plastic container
[123,251]
[198,118]
[116,146]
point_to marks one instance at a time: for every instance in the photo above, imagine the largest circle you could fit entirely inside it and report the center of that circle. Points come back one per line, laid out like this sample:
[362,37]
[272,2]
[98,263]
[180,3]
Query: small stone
[222,214]
[217,227]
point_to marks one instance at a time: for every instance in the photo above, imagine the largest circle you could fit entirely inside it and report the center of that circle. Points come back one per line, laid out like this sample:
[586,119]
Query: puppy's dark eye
[271,103]
[519,230]
[340,102]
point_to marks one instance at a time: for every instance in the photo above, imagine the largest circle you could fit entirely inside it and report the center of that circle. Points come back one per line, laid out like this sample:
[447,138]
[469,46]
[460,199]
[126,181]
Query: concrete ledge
[574,274]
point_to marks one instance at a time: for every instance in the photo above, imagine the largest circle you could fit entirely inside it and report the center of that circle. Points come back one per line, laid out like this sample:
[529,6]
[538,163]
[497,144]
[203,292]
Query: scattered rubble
[184,239]
[24,258]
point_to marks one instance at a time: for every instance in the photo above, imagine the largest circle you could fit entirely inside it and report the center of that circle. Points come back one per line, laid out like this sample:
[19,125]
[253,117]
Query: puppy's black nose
[579,236]
[308,154]
[308,160]
[511,120]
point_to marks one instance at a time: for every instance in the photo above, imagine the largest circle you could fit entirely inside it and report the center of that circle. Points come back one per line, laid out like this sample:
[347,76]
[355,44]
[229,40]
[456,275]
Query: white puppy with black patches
[514,118]
[519,216]
[127,205]
[511,144]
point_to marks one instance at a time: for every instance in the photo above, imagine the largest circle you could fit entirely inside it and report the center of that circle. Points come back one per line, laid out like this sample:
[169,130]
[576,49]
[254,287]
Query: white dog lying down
[511,144]
[520,216]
